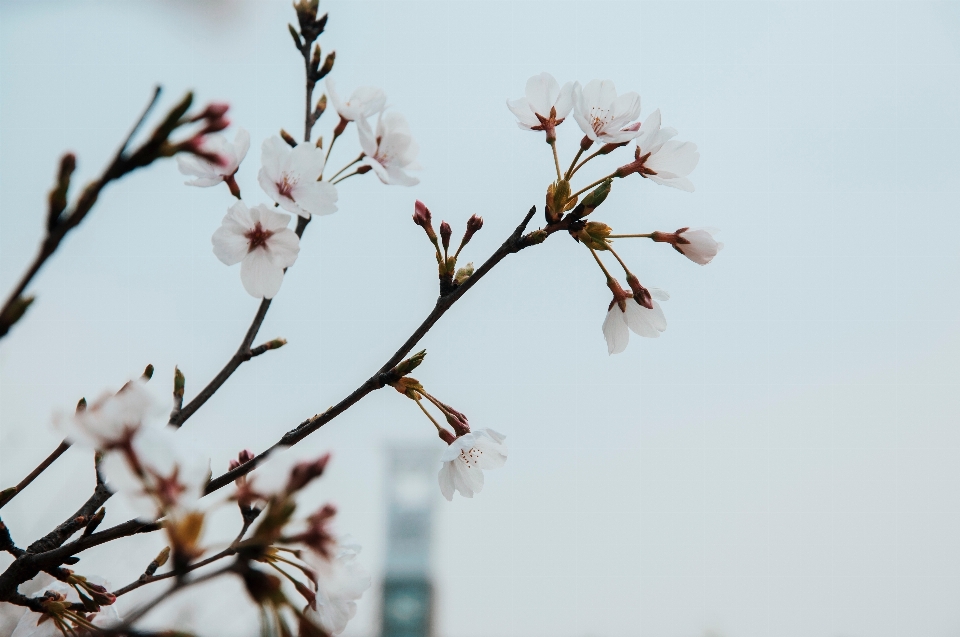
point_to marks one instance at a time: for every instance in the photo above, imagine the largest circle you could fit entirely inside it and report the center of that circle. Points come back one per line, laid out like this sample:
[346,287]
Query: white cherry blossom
[637,318]
[602,115]
[289,176]
[159,472]
[363,102]
[660,159]
[702,247]
[465,459]
[341,581]
[207,173]
[543,94]
[112,419]
[391,151]
[259,240]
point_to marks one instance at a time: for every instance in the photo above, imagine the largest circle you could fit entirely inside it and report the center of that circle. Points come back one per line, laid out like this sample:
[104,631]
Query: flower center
[285,187]
[600,117]
[471,457]
[257,237]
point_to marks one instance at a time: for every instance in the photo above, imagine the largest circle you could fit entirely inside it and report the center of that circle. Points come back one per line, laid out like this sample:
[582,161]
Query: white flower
[701,246]
[341,581]
[364,102]
[643,321]
[208,173]
[602,115]
[392,151]
[665,162]
[543,95]
[157,473]
[259,240]
[289,176]
[465,459]
[112,419]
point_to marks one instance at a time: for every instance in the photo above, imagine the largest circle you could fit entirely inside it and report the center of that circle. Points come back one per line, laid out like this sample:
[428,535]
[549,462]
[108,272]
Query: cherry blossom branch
[61,221]
[9,494]
[514,243]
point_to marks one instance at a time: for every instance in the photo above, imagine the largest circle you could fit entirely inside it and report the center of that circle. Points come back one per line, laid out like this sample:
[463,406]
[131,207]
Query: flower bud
[463,273]
[304,473]
[640,294]
[596,197]
[407,366]
[179,382]
[474,223]
[327,65]
[287,137]
[422,217]
[445,232]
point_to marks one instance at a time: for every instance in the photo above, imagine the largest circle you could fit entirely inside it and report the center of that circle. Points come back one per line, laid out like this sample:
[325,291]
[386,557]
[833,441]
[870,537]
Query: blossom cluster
[292,175]
[613,120]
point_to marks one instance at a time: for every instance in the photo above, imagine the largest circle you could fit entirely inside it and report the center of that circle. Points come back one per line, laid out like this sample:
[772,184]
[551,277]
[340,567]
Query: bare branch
[9,494]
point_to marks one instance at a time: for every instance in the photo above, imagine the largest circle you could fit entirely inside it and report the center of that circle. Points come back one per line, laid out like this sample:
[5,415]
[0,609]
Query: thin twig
[148,578]
[10,494]
[118,167]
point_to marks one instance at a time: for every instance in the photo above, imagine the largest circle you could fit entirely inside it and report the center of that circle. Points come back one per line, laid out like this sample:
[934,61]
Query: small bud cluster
[450,276]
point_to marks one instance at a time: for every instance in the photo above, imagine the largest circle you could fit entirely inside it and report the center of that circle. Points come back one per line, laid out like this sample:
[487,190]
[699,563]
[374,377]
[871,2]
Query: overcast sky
[784,460]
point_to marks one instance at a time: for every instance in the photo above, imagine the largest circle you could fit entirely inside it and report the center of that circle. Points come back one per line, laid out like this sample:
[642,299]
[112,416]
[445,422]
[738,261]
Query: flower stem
[571,170]
[556,160]
[362,155]
[347,176]
[630,236]
[623,265]
[424,410]
[596,183]
[600,263]
[333,141]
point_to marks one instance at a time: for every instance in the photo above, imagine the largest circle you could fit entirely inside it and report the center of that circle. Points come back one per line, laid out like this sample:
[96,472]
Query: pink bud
[445,232]
[421,214]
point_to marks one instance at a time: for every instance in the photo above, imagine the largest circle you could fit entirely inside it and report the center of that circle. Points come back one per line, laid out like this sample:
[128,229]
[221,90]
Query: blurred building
[407,599]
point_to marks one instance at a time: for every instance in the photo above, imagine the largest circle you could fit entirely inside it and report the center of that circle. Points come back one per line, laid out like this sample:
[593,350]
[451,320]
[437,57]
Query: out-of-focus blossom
[603,116]
[544,105]
[112,419]
[31,624]
[157,473]
[340,582]
[259,240]
[391,151]
[207,173]
[660,159]
[363,102]
[628,315]
[289,176]
[465,459]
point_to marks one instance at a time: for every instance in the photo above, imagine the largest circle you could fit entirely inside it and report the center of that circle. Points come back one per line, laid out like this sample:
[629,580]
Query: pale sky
[784,460]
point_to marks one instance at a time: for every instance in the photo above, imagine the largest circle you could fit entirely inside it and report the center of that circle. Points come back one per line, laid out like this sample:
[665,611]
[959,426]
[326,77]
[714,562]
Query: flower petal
[260,276]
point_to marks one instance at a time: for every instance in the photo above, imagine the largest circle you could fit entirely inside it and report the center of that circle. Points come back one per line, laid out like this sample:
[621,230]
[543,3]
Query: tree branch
[60,224]
[9,494]
[514,243]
